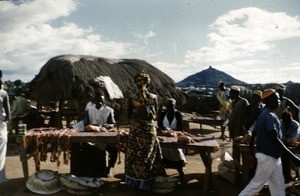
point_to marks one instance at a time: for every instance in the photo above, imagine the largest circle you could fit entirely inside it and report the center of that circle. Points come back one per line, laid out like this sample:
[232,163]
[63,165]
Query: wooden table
[206,121]
[110,137]
[244,163]
[205,146]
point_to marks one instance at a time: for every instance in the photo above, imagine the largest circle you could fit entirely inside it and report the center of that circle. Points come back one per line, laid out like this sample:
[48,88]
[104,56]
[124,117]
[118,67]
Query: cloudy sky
[256,41]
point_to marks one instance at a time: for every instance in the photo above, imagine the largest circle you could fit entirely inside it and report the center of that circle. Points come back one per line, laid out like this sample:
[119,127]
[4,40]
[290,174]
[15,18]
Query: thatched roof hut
[67,77]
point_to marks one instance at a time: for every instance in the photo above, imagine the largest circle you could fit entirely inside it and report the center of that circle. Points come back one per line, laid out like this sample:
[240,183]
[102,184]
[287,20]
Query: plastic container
[22,128]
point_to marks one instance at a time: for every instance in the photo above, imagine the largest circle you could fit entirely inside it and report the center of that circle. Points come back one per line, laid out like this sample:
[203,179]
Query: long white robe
[3,148]
[3,137]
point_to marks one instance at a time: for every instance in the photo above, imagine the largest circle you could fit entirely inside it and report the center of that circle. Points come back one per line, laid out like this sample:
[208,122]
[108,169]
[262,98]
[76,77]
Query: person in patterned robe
[143,159]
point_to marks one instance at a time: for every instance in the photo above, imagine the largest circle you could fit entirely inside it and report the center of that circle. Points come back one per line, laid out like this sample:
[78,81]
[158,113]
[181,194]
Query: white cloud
[144,43]
[177,72]
[256,71]
[244,32]
[14,17]
[150,34]
[28,39]
[145,37]
[290,67]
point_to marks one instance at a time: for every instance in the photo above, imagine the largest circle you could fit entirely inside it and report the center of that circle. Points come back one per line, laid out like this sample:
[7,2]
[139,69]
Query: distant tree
[18,83]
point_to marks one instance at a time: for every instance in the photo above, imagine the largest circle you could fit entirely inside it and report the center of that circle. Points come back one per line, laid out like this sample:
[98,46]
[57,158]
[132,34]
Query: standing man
[290,130]
[4,117]
[223,98]
[253,110]
[236,118]
[237,115]
[269,148]
[286,103]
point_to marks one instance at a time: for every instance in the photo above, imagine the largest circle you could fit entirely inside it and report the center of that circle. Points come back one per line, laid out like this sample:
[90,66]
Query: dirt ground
[194,174]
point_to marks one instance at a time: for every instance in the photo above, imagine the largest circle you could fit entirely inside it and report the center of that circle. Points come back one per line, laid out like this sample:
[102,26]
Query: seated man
[169,122]
[98,117]
[291,132]
[20,110]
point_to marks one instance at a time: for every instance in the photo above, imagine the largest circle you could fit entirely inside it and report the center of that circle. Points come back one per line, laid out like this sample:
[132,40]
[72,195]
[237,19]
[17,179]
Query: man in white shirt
[97,117]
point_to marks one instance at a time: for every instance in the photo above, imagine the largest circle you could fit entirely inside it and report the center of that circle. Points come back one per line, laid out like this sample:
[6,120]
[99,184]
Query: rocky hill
[208,78]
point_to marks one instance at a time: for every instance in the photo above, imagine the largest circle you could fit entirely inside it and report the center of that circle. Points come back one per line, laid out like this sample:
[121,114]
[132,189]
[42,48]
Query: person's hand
[91,128]
[296,144]
[185,139]
[238,138]
[108,126]
[245,139]
[167,128]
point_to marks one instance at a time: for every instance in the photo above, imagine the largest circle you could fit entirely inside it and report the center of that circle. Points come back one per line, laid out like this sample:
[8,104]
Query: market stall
[202,145]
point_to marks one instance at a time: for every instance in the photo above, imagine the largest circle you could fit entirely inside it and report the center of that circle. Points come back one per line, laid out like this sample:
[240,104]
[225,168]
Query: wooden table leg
[186,125]
[208,182]
[241,169]
[246,167]
[23,157]
[236,155]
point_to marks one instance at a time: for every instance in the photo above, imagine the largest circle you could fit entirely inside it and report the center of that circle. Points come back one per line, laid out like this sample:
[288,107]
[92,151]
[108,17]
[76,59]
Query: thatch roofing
[67,77]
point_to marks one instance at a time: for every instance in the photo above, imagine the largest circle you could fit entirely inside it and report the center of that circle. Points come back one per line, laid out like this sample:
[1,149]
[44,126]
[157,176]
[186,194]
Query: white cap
[235,88]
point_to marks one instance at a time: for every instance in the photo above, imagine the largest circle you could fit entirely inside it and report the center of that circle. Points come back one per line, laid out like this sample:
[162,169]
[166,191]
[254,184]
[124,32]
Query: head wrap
[257,92]
[142,78]
[235,88]
[268,92]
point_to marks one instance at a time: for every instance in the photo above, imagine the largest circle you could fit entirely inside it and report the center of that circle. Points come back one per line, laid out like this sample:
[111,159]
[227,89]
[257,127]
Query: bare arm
[6,106]
[275,140]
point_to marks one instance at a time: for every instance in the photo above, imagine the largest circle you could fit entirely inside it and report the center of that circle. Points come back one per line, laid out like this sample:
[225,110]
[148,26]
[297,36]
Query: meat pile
[48,140]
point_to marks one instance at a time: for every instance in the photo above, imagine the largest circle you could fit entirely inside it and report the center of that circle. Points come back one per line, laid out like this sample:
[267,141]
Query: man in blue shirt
[269,148]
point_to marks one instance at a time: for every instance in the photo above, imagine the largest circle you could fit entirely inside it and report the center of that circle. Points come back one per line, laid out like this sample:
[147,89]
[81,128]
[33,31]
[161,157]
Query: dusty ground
[194,171]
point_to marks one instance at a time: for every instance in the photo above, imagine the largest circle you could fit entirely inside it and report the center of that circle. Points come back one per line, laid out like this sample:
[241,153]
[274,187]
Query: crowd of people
[268,122]
[269,125]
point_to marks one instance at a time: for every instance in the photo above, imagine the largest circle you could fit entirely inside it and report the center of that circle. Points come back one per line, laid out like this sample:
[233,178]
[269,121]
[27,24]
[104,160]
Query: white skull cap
[235,88]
